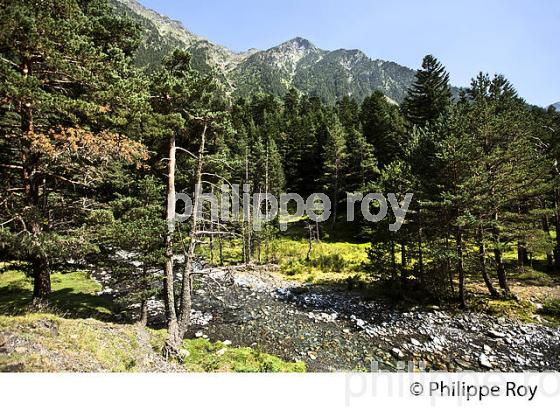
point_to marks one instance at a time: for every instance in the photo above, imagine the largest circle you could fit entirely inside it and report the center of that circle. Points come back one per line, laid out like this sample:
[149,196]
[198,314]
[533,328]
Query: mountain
[556,106]
[297,63]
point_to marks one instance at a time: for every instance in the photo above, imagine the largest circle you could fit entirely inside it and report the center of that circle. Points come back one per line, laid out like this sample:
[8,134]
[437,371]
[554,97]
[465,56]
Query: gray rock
[497,335]
[415,342]
[484,361]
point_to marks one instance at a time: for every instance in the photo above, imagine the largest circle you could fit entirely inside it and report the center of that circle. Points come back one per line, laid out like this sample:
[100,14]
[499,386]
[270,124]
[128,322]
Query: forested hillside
[100,131]
[296,63]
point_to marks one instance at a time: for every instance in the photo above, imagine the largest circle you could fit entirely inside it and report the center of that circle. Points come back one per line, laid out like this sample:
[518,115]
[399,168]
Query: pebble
[415,342]
[484,361]
[497,335]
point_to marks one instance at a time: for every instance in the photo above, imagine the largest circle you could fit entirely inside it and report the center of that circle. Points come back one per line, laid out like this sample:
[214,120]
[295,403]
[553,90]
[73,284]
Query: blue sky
[520,39]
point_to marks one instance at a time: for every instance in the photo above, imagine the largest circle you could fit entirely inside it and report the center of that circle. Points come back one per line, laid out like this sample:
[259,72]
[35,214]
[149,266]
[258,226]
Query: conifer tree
[383,128]
[62,65]
[430,95]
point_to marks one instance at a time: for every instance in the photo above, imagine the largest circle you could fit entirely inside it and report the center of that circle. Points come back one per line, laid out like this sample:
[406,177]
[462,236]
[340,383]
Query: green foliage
[201,355]
[430,95]
[216,357]
[65,127]
[551,307]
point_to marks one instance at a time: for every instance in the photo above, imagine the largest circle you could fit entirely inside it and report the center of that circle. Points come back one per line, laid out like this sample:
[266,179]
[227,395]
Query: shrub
[551,307]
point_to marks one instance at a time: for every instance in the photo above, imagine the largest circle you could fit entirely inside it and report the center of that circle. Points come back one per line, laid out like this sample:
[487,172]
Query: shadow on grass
[74,295]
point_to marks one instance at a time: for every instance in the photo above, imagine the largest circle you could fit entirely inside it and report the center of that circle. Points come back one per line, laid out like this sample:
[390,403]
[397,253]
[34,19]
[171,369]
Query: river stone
[415,342]
[484,361]
[496,335]
[463,363]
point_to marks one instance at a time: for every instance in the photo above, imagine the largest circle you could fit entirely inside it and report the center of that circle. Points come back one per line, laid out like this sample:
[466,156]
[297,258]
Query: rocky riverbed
[335,331]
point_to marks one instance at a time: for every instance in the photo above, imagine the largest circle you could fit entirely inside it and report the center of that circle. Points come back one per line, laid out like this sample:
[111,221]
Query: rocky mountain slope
[297,63]
[557,106]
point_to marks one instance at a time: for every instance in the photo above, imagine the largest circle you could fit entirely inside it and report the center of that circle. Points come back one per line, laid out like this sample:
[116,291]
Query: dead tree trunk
[557,215]
[143,316]
[310,242]
[420,250]
[247,216]
[266,187]
[173,336]
[186,296]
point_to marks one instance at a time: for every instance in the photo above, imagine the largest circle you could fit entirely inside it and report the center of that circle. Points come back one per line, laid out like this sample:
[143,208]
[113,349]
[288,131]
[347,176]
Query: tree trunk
[310,243]
[498,258]
[557,247]
[448,269]
[501,270]
[266,188]
[403,255]
[173,338]
[335,198]
[482,259]
[37,255]
[420,251]
[247,216]
[460,266]
[393,261]
[220,246]
[186,288]
[41,280]
[549,255]
[522,255]
[143,319]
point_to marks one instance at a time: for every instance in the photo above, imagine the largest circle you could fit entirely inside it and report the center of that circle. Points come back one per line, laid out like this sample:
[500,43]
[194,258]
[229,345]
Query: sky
[517,38]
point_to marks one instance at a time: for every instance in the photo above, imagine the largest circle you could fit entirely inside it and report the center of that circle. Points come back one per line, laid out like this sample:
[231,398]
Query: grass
[518,309]
[75,335]
[530,276]
[50,343]
[551,310]
[73,293]
[330,262]
[201,355]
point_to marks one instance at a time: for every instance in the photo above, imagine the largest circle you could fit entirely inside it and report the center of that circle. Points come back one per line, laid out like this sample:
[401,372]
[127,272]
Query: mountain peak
[294,63]
[298,42]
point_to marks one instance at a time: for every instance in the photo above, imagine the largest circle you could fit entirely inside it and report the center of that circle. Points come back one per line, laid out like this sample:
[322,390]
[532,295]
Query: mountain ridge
[327,74]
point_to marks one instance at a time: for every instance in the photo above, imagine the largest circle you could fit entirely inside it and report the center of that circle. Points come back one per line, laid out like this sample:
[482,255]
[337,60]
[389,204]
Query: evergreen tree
[62,65]
[334,160]
[130,235]
[430,95]
[383,128]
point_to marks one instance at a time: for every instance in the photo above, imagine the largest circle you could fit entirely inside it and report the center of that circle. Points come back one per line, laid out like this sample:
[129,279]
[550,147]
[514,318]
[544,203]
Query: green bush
[551,307]
[292,268]
[330,262]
